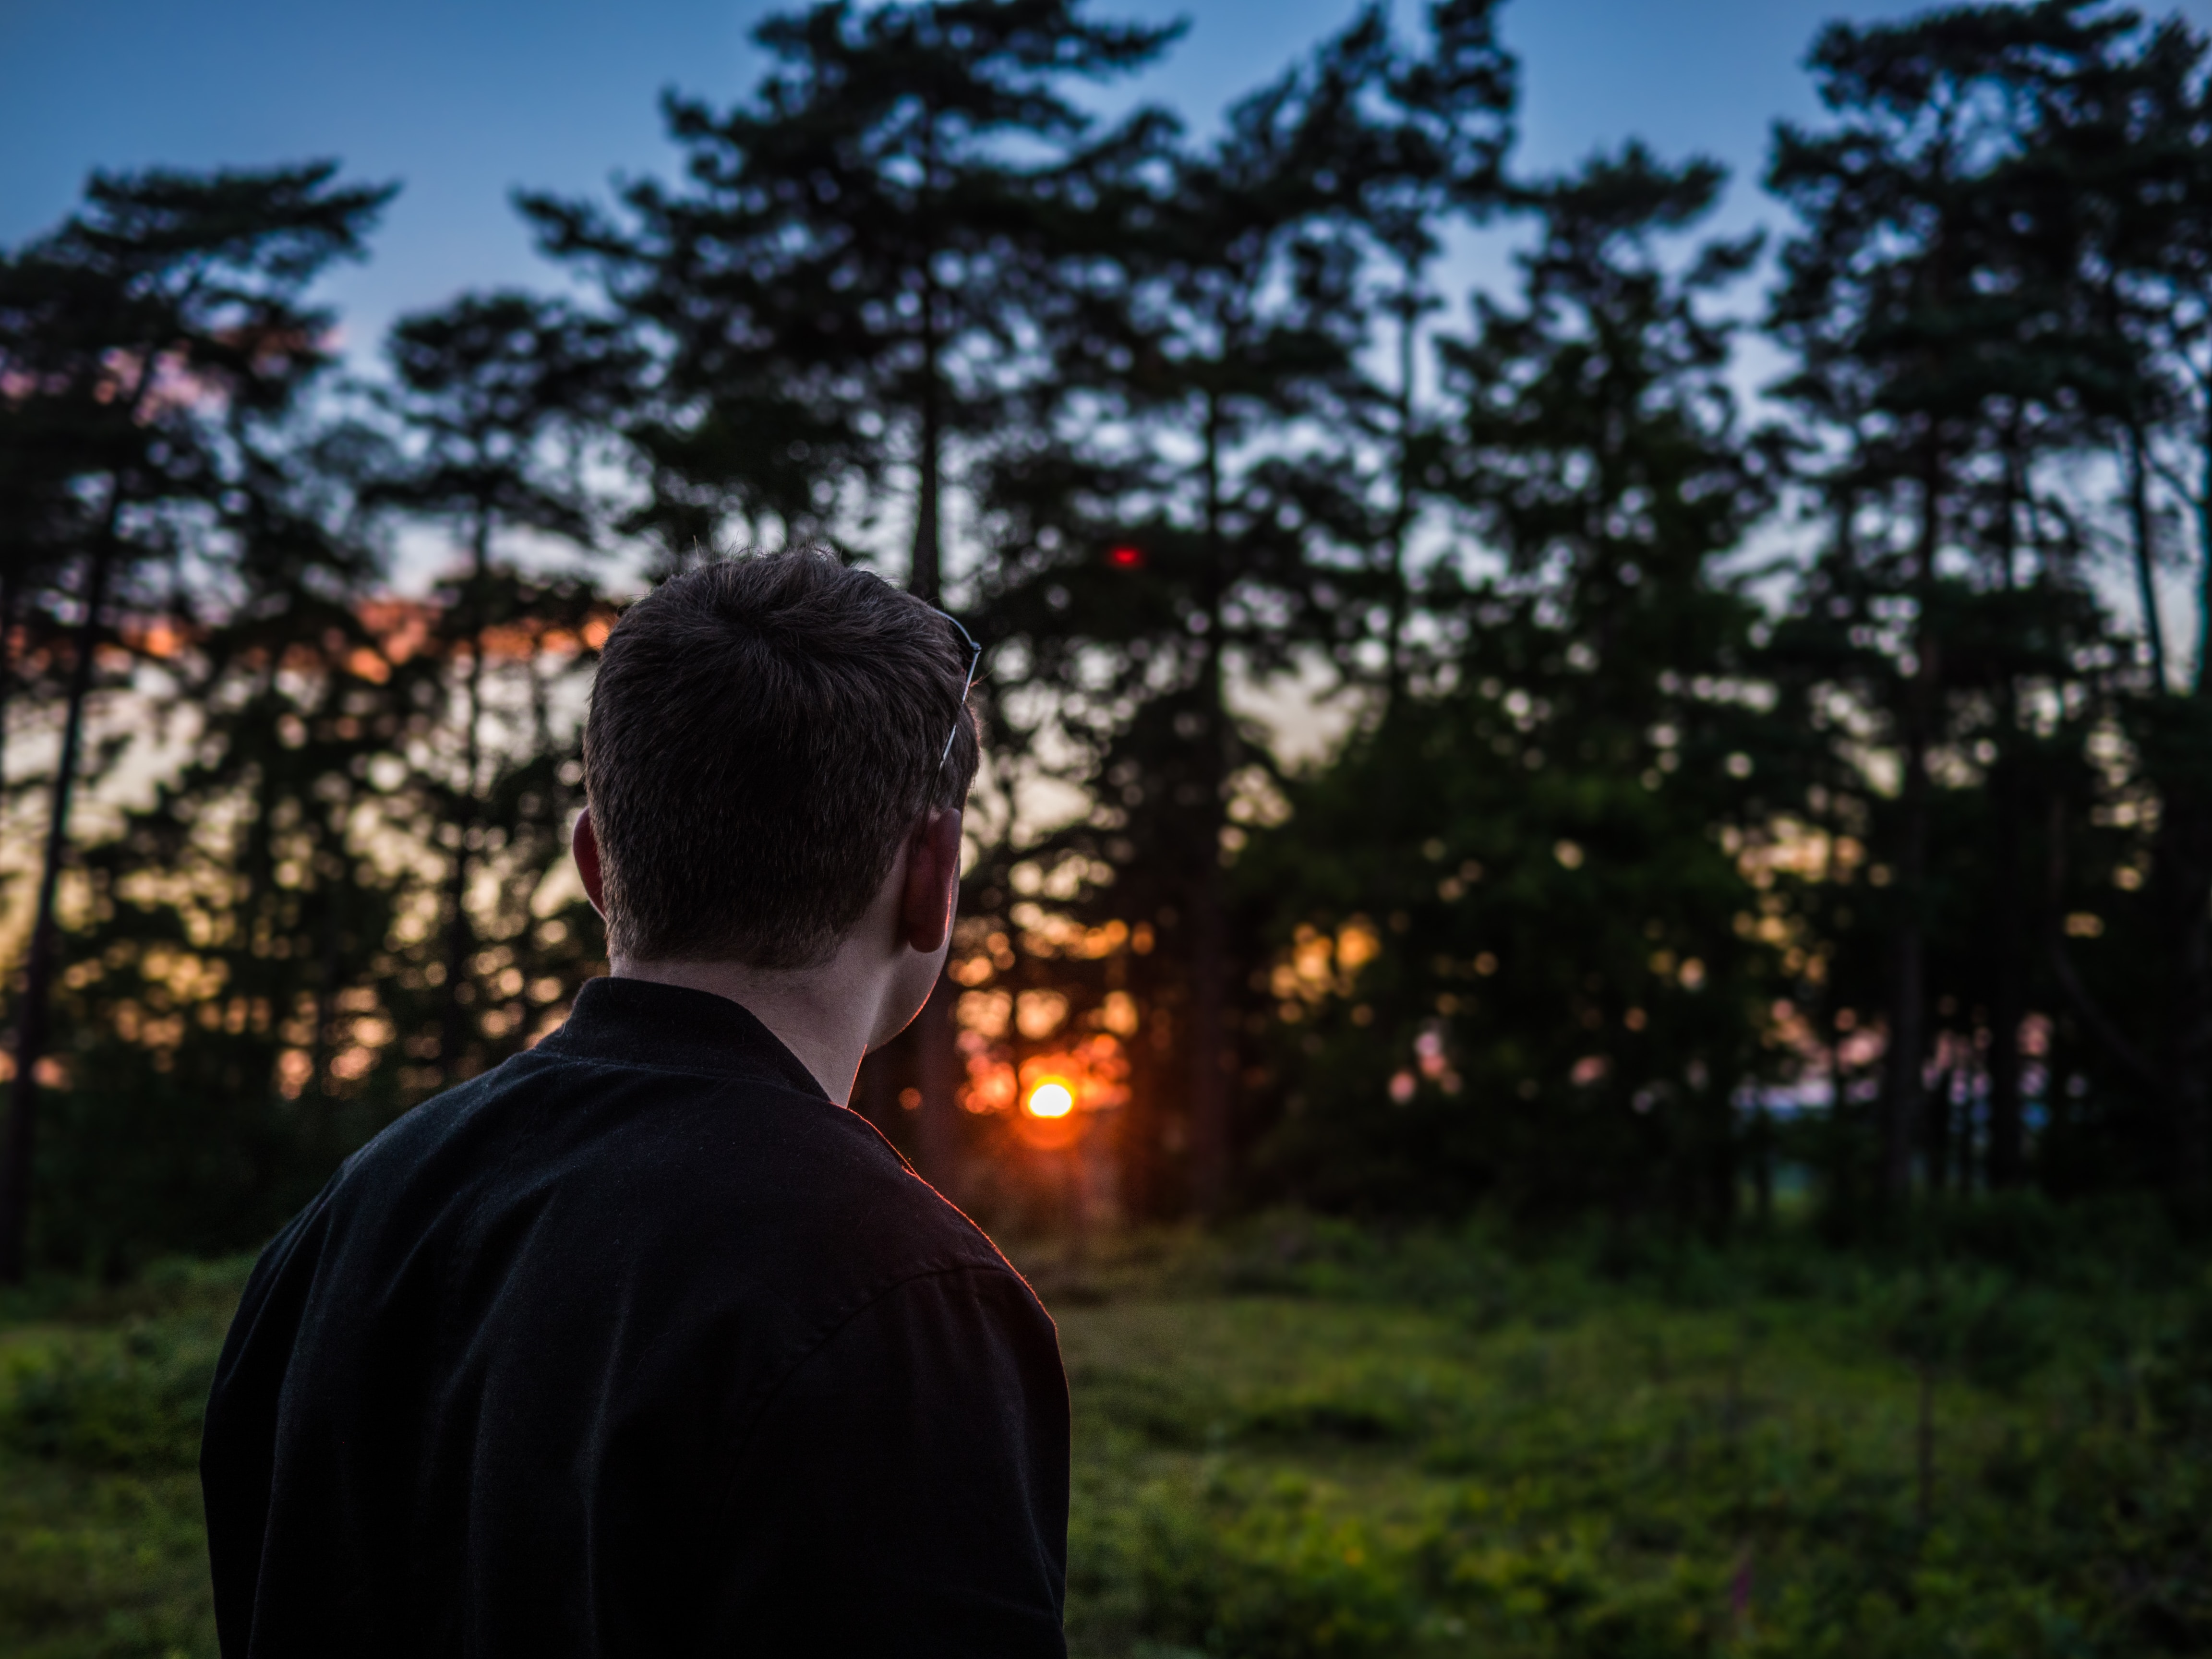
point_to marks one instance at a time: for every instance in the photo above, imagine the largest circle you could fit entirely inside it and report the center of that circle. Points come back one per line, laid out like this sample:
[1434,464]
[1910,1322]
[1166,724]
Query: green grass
[1301,1439]
[1308,1442]
[101,1548]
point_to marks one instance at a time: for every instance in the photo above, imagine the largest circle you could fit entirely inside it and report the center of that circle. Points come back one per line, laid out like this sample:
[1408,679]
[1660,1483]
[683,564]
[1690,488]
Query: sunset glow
[1051,1098]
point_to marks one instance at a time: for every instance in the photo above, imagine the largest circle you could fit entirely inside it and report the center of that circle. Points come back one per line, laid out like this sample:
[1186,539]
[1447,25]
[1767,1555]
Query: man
[641,1343]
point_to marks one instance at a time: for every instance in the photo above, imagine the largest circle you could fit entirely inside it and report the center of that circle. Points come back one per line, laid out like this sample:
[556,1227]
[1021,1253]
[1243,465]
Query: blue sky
[464,102]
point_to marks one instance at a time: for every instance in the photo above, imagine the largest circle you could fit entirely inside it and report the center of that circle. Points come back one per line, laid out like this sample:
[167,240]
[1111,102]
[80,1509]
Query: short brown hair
[763,733]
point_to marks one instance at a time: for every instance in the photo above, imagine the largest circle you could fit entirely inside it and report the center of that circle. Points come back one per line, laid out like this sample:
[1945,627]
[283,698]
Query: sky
[465,101]
[462,103]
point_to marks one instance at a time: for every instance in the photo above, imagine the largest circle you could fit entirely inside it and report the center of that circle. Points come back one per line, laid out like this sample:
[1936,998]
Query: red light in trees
[1127,558]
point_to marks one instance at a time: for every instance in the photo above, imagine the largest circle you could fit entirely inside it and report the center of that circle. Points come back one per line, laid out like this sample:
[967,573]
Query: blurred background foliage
[1447,751]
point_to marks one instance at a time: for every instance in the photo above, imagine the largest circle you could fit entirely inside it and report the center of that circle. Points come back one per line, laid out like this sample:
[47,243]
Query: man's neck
[814,1012]
[879,974]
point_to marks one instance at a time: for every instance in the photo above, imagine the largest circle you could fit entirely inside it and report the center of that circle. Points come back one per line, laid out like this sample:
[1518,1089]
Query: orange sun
[1051,1097]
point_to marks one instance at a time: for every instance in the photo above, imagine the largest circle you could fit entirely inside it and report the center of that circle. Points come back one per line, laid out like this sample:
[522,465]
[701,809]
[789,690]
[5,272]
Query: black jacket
[636,1345]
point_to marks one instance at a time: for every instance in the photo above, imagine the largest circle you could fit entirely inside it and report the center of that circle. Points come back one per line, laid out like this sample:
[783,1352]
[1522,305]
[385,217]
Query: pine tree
[1519,976]
[842,284]
[2128,136]
[1442,139]
[500,397]
[1136,577]
[1936,366]
[233,959]
[163,335]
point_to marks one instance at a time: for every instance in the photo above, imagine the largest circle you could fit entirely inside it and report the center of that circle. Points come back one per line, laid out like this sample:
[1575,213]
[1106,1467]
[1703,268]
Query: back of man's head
[763,733]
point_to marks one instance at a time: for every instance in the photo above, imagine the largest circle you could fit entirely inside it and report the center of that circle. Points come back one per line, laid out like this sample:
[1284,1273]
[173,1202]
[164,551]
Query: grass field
[1304,1440]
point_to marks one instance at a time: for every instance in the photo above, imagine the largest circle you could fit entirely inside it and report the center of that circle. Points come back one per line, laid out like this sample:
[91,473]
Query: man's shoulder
[744,1187]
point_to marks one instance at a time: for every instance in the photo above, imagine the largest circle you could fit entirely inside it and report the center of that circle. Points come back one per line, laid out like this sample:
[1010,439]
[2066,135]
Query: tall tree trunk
[11,591]
[2174,735]
[1209,1094]
[460,934]
[10,588]
[2139,519]
[1847,1162]
[937,1058]
[936,1054]
[317,1106]
[1908,984]
[2203,665]
[1762,1167]
[453,1026]
[2007,996]
[33,1021]
[927,582]
[1937,1114]
[2183,867]
[2008,990]
[1902,1089]
[1401,510]
[1135,1127]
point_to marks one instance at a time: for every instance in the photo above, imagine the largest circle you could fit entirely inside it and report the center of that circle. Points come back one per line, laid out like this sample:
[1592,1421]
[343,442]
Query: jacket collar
[639,1023]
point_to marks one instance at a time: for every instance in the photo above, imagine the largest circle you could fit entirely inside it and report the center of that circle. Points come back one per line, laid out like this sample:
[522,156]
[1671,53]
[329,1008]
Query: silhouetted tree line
[1716,797]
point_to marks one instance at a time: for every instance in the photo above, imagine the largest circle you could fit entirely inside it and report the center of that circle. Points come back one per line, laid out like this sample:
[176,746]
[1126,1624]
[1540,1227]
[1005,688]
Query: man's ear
[932,877]
[586,847]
